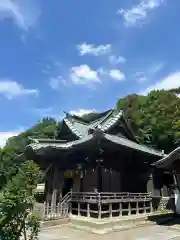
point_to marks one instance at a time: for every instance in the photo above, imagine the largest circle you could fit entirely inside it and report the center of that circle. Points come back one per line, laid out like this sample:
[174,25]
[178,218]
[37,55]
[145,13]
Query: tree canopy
[16,201]
[154,118]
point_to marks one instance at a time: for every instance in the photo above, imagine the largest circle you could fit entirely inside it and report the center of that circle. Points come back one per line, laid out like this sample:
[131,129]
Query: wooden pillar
[137,207]
[60,182]
[120,209]
[76,183]
[150,188]
[99,173]
[48,186]
[81,181]
[88,210]
[151,206]
[79,209]
[144,206]
[157,180]
[129,208]
[54,190]
[99,206]
[110,210]
[57,185]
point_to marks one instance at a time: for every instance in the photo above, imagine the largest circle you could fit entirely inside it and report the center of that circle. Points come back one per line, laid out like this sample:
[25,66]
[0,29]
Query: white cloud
[142,79]
[83,74]
[5,135]
[81,112]
[156,67]
[149,73]
[92,49]
[116,74]
[11,89]
[170,82]
[115,60]
[24,13]
[139,12]
[56,82]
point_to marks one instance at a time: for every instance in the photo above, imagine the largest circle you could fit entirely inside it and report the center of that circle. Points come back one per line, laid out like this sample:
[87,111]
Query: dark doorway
[68,184]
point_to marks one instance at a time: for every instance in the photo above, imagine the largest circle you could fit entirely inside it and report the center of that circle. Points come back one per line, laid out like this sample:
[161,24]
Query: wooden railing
[102,205]
[59,211]
[107,197]
[99,205]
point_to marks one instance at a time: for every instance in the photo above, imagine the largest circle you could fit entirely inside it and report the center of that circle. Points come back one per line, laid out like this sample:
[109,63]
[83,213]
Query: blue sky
[81,55]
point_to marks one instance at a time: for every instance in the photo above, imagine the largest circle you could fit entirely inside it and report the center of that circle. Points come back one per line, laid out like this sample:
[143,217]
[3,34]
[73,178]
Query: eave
[168,161]
[97,137]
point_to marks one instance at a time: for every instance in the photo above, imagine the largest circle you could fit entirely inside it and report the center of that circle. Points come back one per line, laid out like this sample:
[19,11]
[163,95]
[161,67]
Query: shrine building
[97,168]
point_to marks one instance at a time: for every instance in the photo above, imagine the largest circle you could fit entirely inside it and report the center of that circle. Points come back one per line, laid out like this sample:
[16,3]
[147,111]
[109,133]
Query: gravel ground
[141,233]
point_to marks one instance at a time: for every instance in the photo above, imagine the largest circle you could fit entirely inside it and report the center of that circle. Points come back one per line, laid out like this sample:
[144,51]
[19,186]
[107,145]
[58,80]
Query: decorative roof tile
[81,129]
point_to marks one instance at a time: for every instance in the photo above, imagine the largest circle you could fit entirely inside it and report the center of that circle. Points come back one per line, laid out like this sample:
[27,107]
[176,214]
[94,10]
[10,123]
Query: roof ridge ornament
[98,134]
[33,140]
[68,115]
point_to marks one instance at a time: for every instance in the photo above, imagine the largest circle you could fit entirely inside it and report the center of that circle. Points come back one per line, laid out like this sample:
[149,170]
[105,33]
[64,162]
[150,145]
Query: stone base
[114,224]
[108,225]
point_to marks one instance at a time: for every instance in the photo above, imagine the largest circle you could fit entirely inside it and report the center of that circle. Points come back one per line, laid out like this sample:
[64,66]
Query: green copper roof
[81,128]
[133,145]
[57,144]
[89,138]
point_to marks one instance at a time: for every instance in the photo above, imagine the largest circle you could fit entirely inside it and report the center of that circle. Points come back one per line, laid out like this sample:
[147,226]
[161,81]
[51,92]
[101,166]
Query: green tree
[16,199]
[154,118]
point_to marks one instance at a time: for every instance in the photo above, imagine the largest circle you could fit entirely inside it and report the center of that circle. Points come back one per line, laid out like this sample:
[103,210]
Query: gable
[111,122]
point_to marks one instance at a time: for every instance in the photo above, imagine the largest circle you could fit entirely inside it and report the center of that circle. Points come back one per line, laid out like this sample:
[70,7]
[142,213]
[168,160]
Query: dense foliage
[155,118]
[16,201]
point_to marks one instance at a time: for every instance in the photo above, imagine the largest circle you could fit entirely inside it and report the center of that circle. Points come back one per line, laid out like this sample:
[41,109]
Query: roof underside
[168,161]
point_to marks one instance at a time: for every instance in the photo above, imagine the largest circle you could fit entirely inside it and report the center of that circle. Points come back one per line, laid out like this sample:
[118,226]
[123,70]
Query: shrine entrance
[67,186]
[68,181]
